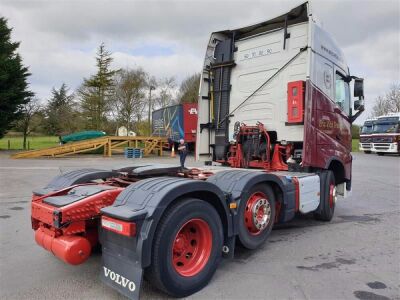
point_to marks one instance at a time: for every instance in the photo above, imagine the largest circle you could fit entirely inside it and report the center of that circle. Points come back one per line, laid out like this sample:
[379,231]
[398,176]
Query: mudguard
[236,182]
[74,177]
[144,203]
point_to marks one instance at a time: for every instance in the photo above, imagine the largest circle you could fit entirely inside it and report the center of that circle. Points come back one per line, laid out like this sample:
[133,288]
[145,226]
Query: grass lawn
[35,142]
[41,142]
[354,145]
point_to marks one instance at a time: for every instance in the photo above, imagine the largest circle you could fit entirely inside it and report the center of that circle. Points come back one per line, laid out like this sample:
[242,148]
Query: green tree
[95,92]
[14,91]
[389,103]
[129,96]
[189,89]
[25,124]
[61,114]
[166,90]
[355,131]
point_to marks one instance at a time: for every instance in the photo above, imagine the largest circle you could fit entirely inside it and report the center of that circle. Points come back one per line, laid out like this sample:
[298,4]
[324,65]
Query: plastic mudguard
[236,182]
[121,269]
[74,177]
[144,202]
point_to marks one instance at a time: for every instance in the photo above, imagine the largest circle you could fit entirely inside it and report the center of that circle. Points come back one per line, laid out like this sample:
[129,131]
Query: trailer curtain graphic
[168,122]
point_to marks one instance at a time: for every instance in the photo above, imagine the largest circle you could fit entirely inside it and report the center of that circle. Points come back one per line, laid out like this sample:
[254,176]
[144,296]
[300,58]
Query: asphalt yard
[356,256]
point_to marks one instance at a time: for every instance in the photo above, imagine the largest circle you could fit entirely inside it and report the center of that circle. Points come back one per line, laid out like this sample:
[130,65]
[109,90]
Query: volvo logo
[118,279]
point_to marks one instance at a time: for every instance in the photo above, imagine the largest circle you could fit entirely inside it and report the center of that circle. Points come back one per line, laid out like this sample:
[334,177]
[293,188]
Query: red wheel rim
[191,248]
[332,195]
[257,213]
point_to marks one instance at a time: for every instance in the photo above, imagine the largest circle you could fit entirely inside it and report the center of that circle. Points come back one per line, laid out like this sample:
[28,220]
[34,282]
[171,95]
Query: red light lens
[118,226]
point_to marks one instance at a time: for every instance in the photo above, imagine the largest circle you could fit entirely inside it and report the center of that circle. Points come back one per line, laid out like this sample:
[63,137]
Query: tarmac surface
[356,256]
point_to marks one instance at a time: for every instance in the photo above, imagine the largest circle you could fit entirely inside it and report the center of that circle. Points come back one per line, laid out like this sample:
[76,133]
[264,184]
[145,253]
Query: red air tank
[72,249]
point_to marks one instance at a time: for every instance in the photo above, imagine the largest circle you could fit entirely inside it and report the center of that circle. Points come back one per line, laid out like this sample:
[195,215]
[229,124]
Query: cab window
[342,93]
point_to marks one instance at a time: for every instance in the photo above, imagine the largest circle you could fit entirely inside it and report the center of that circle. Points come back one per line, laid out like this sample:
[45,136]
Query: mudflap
[121,274]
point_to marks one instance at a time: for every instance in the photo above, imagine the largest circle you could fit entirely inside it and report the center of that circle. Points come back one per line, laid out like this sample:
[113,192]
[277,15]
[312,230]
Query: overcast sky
[168,38]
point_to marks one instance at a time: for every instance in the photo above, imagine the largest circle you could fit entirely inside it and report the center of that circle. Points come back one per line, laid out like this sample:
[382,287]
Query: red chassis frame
[71,231]
[236,156]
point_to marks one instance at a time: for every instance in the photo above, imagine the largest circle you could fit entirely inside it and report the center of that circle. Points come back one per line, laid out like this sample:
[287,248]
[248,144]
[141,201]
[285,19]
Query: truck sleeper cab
[290,75]
[386,134]
[365,143]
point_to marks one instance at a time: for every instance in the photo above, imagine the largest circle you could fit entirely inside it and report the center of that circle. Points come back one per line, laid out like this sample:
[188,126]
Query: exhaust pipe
[72,249]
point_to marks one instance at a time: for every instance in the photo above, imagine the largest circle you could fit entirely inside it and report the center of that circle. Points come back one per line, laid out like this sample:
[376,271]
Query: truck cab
[386,134]
[290,75]
[366,136]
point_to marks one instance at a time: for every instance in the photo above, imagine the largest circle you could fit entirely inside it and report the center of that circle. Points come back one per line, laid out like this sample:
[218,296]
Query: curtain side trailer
[274,111]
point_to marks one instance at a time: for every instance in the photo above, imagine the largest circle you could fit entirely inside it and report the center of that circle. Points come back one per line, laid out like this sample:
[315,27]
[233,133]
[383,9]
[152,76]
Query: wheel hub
[257,213]
[192,247]
[332,195]
[261,213]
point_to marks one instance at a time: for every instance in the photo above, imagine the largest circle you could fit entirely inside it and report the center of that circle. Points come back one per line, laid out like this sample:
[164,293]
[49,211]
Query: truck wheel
[187,248]
[380,153]
[367,152]
[326,207]
[256,216]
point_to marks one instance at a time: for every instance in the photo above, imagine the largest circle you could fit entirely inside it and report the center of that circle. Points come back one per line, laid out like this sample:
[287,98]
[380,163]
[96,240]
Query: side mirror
[359,104]
[358,87]
[358,92]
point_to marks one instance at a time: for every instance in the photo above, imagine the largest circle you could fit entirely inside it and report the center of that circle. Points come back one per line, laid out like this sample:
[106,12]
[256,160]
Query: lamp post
[151,88]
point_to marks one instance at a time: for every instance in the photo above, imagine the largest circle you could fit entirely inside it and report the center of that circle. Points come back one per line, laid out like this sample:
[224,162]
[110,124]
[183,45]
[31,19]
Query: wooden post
[161,147]
[9,145]
[109,152]
[136,143]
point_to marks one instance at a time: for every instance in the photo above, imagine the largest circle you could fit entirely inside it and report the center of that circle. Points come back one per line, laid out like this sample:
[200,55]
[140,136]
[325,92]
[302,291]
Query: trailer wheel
[187,248]
[326,207]
[256,216]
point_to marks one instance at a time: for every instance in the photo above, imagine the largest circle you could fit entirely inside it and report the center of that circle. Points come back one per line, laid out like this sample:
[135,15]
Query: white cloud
[59,38]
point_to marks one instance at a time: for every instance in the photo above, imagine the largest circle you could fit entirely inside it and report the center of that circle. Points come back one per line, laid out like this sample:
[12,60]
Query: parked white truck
[365,143]
[386,134]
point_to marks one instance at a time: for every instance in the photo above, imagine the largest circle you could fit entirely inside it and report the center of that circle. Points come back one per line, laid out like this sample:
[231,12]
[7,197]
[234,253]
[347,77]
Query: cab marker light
[118,226]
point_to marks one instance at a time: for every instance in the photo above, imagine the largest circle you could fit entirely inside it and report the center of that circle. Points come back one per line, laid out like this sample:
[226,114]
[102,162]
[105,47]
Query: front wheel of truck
[187,248]
[328,196]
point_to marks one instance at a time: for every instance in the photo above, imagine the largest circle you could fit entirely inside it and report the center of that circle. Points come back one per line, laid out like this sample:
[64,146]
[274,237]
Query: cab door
[342,132]
[332,121]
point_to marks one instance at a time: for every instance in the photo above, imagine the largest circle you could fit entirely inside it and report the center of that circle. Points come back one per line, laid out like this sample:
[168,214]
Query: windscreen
[387,125]
[367,128]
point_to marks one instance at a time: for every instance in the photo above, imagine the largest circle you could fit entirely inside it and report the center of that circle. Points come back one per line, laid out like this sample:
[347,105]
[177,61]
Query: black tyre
[187,248]
[380,153]
[327,204]
[256,216]
[367,152]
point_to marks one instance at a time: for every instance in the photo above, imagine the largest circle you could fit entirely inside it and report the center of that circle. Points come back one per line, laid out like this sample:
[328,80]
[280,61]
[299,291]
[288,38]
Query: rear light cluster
[118,226]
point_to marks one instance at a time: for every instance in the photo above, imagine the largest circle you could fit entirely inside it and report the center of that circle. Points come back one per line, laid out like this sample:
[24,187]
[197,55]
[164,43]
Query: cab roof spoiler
[297,15]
